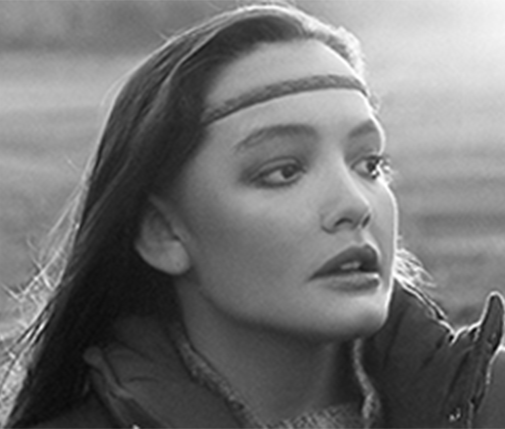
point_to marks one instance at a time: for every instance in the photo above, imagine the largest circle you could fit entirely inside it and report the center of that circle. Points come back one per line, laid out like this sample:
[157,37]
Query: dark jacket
[426,374]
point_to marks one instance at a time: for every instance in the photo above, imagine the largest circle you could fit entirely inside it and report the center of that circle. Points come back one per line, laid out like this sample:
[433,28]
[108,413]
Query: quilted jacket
[427,375]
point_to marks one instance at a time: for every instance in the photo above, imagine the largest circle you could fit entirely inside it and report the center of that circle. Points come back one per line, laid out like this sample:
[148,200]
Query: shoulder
[89,414]
[492,411]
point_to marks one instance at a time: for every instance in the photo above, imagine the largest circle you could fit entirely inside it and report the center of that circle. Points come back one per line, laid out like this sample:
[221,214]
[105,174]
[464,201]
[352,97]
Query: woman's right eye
[280,175]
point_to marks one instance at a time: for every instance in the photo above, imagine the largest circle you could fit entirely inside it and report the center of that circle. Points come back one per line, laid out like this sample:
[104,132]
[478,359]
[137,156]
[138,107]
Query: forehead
[275,70]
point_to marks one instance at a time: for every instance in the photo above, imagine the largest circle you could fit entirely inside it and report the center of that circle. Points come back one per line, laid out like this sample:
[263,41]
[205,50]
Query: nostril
[351,218]
[366,218]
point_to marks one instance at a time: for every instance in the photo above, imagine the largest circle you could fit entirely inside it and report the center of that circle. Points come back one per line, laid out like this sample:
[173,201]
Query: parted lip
[363,259]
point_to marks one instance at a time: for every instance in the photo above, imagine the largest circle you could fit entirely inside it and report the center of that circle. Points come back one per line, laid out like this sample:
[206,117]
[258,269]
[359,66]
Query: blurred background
[438,67]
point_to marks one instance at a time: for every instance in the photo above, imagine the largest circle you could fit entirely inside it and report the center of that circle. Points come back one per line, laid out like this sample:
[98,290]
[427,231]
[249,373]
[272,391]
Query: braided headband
[280,89]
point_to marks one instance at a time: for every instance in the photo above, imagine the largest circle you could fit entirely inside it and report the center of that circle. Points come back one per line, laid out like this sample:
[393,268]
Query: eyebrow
[281,89]
[370,126]
[263,135]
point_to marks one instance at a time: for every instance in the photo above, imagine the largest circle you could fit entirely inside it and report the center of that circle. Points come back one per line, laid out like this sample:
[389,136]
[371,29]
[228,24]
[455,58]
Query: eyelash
[380,167]
[264,178]
[376,166]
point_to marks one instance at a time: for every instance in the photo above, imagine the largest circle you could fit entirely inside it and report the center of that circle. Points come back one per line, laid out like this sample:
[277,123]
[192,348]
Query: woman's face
[286,213]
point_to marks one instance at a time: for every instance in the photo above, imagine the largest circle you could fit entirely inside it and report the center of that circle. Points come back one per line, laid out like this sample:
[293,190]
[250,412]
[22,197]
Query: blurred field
[48,125]
[443,105]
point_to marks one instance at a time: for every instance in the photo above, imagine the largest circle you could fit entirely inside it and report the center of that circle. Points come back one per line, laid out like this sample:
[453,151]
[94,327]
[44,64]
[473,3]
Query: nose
[347,206]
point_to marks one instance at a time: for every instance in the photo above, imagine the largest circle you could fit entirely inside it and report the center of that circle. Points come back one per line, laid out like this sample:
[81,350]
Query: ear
[158,242]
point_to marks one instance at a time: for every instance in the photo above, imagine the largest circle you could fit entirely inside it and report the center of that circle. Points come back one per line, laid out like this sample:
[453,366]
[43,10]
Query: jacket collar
[137,376]
[144,379]
[427,374]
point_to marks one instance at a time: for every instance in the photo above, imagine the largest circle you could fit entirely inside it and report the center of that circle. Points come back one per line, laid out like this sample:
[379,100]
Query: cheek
[392,213]
[386,224]
[235,234]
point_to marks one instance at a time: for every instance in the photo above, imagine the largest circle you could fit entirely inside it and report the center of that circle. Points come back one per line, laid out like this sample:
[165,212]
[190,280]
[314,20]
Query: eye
[280,174]
[374,166]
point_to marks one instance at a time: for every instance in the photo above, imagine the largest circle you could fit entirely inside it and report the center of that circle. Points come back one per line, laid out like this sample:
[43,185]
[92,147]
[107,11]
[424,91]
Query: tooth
[350,266]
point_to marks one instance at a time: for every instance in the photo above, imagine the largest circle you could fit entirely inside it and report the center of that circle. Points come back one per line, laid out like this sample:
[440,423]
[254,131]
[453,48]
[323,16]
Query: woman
[233,259]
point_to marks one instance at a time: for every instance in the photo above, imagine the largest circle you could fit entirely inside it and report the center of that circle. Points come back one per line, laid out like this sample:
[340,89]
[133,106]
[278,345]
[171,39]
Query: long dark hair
[153,129]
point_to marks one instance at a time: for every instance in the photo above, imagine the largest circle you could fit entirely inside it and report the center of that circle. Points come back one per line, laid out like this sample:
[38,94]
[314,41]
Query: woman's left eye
[374,166]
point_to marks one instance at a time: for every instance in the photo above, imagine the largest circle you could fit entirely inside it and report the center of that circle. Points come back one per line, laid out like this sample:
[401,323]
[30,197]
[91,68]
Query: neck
[278,376]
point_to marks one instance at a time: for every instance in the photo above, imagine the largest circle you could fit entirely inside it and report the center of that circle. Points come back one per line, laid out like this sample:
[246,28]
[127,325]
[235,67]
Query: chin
[364,324]
[369,315]
[370,327]
[349,328]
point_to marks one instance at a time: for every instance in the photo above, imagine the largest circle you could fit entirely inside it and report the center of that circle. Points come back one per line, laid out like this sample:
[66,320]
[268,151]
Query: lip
[366,255]
[354,283]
